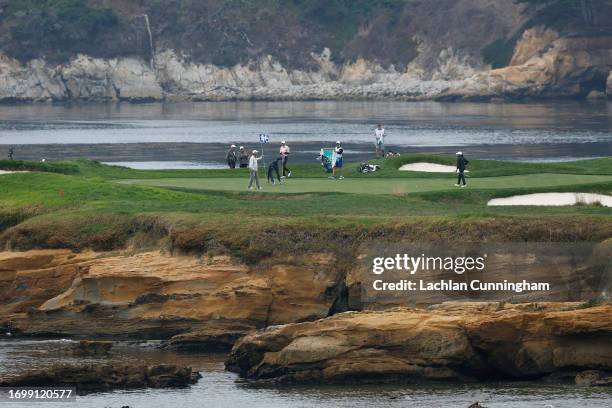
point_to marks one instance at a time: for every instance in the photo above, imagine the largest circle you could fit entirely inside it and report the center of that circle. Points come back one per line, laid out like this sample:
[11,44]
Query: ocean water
[219,388]
[166,133]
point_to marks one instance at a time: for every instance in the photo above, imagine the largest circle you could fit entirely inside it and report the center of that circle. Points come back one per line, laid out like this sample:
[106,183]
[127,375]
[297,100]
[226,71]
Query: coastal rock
[28,279]
[105,377]
[92,348]
[609,86]
[543,65]
[134,81]
[31,82]
[209,301]
[533,43]
[458,342]
[567,67]
[591,378]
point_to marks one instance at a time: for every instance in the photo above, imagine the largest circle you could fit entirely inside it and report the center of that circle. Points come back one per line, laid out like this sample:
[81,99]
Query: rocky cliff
[543,66]
[228,50]
[451,342]
[209,301]
[214,302]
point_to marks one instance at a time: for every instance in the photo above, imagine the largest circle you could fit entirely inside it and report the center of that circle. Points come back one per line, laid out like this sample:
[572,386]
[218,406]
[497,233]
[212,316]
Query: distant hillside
[227,32]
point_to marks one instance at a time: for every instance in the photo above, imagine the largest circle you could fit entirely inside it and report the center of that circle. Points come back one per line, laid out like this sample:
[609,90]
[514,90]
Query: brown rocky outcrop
[452,342]
[105,377]
[565,67]
[211,301]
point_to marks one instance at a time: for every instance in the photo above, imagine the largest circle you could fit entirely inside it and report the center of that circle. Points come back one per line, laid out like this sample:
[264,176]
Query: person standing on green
[243,158]
[379,134]
[284,154]
[253,169]
[337,161]
[231,157]
[462,163]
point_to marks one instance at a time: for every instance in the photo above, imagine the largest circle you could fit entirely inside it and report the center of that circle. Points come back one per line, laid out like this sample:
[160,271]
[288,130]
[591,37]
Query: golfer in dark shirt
[274,167]
[462,162]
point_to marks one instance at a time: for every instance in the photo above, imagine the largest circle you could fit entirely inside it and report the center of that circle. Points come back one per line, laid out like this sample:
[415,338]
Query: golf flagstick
[263,138]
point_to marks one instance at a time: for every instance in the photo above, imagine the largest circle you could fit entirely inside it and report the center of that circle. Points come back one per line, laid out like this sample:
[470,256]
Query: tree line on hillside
[226,32]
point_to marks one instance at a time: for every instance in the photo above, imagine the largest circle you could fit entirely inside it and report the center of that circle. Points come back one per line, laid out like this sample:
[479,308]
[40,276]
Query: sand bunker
[11,171]
[554,199]
[428,167]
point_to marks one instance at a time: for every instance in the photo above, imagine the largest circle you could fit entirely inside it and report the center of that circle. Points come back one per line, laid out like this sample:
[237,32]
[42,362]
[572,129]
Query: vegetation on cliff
[53,28]
[228,32]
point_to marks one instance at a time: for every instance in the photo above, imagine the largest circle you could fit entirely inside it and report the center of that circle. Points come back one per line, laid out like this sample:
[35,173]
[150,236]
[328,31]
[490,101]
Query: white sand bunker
[554,199]
[429,167]
[11,171]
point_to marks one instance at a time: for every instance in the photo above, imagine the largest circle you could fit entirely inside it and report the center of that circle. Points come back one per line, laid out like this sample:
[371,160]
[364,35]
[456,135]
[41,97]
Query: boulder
[452,342]
[134,80]
[105,377]
[591,378]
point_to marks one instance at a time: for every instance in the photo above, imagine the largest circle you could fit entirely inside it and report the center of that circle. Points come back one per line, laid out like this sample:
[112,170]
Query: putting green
[373,186]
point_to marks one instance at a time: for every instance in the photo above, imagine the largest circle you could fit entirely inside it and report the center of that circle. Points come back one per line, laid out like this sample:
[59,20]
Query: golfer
[243,158]
[379,135]
[273,167]
[231,157]
[462,163]
[337,161]
[253,167]
[284,153]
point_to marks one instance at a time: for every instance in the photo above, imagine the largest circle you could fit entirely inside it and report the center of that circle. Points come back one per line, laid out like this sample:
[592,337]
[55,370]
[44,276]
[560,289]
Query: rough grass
[89,208]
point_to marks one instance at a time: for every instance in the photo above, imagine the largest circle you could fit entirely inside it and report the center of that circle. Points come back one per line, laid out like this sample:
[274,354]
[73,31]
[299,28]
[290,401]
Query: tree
[562,10]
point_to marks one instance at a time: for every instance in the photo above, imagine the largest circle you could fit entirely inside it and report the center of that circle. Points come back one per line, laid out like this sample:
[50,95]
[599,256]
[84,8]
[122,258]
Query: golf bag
[326,159]
[368,168]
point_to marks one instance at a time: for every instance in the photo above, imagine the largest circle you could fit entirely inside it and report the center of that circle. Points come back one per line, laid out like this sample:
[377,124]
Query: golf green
[373,186]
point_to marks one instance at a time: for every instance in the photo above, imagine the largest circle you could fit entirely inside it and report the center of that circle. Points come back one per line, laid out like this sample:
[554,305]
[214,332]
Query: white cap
[338,142]
[233,146]
[459,153]
[241,147]
[283,142]
[255,152]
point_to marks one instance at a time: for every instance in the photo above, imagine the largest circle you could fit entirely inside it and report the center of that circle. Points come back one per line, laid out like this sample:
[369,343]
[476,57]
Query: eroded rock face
[105,377]
[543,65]
[211,301]
[533,43]
[459,341]
[566,67]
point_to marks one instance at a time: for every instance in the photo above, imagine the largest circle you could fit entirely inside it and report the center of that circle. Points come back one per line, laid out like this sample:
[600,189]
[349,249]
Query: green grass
[107,207]
[376,186]
[390,166]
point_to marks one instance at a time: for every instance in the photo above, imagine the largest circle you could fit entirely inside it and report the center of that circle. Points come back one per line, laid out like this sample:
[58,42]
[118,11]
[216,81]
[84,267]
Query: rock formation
[105,377]
[210,301]
[543,65]
[454,341]
[563,67]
